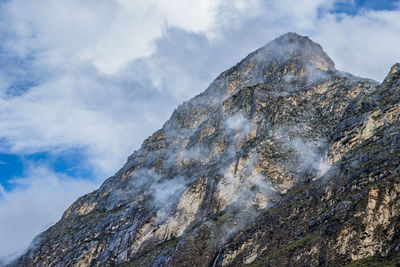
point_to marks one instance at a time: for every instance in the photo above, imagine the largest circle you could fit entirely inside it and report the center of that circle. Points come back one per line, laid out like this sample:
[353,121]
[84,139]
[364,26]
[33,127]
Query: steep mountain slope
[283,160]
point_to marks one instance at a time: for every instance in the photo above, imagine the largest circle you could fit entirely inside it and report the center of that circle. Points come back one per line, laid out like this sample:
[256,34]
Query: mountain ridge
[221,183]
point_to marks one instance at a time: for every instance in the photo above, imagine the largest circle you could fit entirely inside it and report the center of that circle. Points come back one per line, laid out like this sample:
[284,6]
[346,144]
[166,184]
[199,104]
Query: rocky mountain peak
[291,60]
[282,161]
[291,46]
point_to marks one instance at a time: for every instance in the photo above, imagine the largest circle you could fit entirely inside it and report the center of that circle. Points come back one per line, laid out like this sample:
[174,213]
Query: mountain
[282,161]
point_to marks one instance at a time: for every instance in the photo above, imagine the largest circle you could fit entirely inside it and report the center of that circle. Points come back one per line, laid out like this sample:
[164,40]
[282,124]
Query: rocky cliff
[282,161]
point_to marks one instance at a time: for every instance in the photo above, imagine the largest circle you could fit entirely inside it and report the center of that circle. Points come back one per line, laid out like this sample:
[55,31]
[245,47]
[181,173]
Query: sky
[83,83]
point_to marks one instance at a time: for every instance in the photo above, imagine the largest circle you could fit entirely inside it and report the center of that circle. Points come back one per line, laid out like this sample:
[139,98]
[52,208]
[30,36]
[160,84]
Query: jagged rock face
[283,160]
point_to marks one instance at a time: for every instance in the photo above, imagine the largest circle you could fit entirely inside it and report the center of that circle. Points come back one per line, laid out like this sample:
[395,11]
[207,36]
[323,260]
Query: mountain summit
[281,161]
[292,47]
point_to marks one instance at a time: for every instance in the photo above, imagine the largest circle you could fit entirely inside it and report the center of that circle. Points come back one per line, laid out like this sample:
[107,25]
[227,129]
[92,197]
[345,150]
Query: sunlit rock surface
[281,161]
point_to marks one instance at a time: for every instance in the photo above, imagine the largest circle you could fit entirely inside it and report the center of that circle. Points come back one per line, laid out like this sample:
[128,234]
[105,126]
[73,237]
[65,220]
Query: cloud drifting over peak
[102,75]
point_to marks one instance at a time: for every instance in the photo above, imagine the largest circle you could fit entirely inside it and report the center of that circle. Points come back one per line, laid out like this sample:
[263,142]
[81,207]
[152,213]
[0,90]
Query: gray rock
[281,161]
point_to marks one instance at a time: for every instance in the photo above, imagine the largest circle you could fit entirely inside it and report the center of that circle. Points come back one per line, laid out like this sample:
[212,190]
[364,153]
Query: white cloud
[38,201]
[79,111]
[108,33]
[88,95]
[300,17]
[364,44]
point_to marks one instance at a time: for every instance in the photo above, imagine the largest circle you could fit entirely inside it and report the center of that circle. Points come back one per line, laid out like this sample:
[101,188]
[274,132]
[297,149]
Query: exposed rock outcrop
[282,161]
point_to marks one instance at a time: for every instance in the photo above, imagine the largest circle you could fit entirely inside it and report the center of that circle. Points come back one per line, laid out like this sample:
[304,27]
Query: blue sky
[82,84]
[357,6]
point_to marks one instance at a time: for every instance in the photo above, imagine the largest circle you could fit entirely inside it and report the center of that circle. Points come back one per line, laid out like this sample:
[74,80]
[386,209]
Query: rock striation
[282,161]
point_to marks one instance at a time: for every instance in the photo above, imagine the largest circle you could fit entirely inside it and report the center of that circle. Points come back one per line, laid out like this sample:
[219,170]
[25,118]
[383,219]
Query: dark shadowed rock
[281,161]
